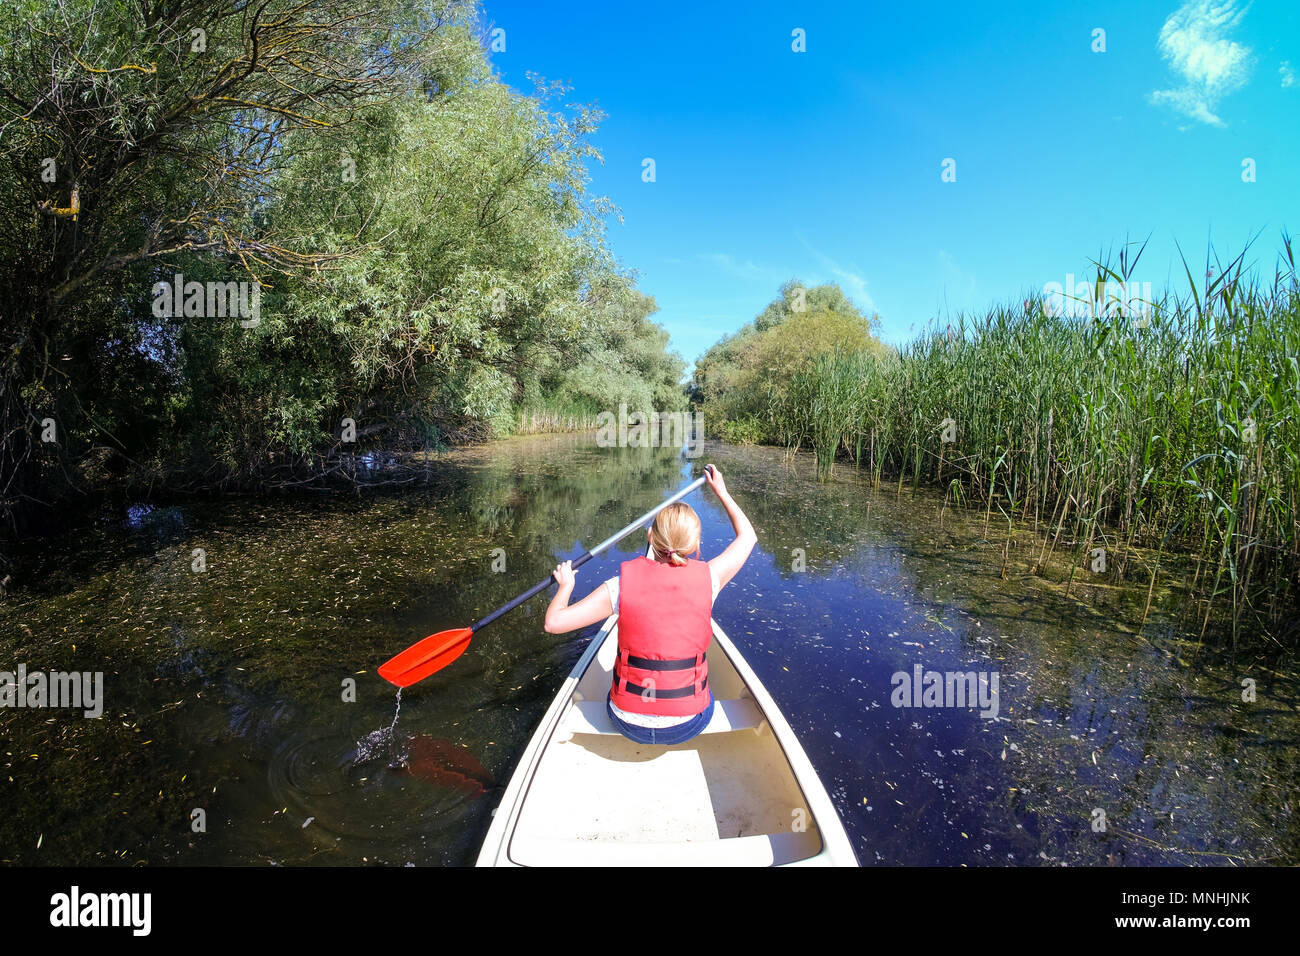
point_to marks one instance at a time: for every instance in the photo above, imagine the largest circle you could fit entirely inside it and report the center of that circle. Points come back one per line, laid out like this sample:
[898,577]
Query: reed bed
[1177,428]
[542,421]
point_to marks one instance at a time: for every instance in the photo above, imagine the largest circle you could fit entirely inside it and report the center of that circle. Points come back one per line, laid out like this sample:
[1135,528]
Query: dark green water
[224,689]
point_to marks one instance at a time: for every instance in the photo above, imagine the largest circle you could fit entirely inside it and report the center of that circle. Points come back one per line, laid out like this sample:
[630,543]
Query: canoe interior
[721,798]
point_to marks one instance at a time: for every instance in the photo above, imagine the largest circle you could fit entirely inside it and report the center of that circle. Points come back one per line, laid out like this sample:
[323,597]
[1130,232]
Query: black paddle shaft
[528,595]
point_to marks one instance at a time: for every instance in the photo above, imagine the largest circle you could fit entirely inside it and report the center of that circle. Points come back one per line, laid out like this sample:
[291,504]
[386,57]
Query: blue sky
[826,165]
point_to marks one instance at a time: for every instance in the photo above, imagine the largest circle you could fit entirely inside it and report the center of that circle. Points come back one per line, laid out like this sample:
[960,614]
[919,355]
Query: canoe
[741,793]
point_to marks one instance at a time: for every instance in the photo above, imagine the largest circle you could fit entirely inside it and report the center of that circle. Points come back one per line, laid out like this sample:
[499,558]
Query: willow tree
[733,380]
[486,284]
[140,134]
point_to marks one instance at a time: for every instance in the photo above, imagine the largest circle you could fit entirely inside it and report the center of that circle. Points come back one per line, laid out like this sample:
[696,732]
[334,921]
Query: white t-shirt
[650,720]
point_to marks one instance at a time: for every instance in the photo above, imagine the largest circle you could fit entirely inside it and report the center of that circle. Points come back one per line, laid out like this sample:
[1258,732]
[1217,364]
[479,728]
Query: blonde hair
[675,533]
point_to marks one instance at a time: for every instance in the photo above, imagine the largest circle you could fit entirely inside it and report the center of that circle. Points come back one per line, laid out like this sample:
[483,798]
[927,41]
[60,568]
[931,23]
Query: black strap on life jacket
[680,664]
[656,693]
[676,664]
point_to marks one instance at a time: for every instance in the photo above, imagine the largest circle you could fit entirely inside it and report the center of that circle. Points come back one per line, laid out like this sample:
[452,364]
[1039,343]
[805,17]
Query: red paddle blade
[427,657]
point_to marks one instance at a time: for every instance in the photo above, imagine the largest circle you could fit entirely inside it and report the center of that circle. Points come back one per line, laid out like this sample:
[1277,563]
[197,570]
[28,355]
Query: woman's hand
[715,480]
[564,575]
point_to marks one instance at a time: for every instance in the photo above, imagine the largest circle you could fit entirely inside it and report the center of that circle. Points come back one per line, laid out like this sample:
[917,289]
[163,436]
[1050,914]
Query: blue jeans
[663,735]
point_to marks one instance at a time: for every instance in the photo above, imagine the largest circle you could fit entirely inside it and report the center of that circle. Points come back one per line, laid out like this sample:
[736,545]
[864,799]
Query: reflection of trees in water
[551,504]
[301,591]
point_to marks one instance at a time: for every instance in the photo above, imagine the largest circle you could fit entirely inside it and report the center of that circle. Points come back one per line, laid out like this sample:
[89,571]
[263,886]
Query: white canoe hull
[743,793]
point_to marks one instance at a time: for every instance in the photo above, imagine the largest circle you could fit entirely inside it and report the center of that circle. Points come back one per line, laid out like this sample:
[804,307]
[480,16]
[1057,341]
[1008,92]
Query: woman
[660,693]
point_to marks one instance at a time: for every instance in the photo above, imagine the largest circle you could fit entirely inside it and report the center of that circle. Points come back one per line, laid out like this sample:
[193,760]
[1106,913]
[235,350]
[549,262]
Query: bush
[743,431]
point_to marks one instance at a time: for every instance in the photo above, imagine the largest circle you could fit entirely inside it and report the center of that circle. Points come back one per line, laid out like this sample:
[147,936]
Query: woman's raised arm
[725,565]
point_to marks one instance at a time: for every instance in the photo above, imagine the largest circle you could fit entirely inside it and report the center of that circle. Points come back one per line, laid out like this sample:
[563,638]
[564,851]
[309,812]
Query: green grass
[1178,428]
[545,421]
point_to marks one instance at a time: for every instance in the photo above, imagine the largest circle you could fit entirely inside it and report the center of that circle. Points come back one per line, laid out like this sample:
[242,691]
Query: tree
[732,380]
[421,235]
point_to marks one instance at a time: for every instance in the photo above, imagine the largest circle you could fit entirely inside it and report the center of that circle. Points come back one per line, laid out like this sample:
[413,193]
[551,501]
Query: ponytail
[675,534]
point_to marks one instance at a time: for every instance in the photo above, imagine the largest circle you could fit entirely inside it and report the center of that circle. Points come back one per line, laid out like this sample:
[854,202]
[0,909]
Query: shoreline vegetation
[1151,438]
[419,254]
[429,268]
[549,421]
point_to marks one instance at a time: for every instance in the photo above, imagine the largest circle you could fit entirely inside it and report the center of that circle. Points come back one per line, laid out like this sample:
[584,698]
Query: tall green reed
[1110,430]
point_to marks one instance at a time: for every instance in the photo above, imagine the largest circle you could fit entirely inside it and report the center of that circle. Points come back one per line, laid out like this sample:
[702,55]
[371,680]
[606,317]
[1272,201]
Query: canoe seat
[591,717]
[757,850]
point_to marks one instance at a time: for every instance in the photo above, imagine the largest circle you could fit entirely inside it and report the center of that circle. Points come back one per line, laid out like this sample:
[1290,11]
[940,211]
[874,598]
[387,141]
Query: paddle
[438,650]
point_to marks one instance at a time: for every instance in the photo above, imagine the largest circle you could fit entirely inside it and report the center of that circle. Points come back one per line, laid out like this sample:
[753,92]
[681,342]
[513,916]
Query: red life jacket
[664,629]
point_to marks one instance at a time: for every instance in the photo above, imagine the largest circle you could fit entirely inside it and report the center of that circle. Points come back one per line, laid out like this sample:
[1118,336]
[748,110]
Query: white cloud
[1194,42]
[1287,74]
[745,270]
[853,284]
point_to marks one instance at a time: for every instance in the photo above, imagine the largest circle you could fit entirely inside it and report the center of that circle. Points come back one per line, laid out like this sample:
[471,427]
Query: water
[379,742]
[226,688]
